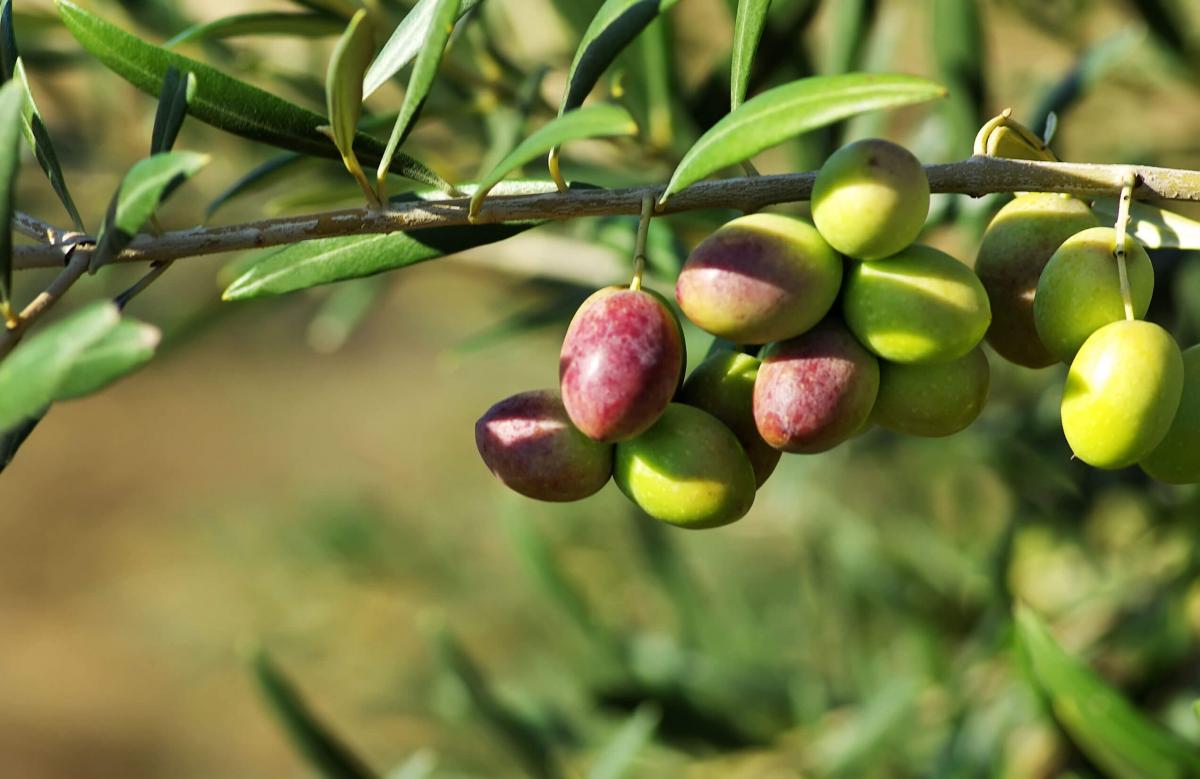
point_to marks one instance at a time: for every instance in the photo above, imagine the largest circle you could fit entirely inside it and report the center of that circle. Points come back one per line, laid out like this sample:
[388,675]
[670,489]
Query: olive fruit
[870,199]
[815,390]
[1176,459]
[932,400]
[723,385]
[1080,290]
[918,306]
[1122,392]
[759,278]
[688,469]
[1015,248]
[620,363]
[528,442]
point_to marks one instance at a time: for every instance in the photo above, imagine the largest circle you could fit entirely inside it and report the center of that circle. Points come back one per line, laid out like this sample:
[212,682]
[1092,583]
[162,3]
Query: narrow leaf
[747,31]
[148,183]
[177,92]
[221,100]
[30,377]
[791,109]
[1154,227]
[299,25]
[1109,730]
[613,28]
[406,40]
[38,138]
[327,260]
[124,349]
[12,101]
[12,438]
[616,761]
[325,751]
[597,121]
[343,83]
[8,41]
[441,24]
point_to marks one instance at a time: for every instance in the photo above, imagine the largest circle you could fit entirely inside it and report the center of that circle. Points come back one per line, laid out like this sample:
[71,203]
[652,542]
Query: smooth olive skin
[723,385]
[1122,392]
[604,292]
[918,306]
[932,400]
[528,443]
[814,391]
[688,470]
[759,278]
[1015,249]
[870,199]
[1080,290]
[1176,459]
[620,363]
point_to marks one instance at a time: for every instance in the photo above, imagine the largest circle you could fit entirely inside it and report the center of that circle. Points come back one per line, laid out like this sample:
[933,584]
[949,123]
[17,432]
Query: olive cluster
[845,323]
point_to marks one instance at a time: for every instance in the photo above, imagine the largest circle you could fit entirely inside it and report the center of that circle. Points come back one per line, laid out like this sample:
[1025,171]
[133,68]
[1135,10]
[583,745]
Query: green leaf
[327,260]
[325,751]
[12,438]
[405,42]
[1102,723]
[1154,227]
[38,138]
[616,760]
[343,82]
[177,92]
[299,25]
[12,102]
[31,376]
[339,8]
[613,28]
[441,24]
[791,109]
[8,41]
[747,31]
[120,352]
[603,120]
[256,177]
[221,100]
[148,183]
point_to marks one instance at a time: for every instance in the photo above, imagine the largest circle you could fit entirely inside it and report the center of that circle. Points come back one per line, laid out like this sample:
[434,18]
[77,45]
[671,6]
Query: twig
[35,228]
[77,265]
[975,176]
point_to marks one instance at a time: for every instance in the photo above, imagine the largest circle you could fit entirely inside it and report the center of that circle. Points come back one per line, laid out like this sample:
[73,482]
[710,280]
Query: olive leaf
[603,120]
[299,25]
[221,100]
[747,31]
[343,94]
[1101,722]
[177,92]
[148,183]
[30,377]
[441,24]
[118,353]
[324,750]
[12,438]
[791,109]
[343,9]
[405,42]
[12,102]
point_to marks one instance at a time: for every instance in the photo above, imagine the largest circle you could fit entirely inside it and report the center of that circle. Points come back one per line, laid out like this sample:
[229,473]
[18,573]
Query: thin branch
[35,228]
[975,176]
[77,265]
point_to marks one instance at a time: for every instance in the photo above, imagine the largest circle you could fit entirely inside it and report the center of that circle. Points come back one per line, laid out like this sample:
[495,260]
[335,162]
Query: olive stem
[639,247]
[1119,248]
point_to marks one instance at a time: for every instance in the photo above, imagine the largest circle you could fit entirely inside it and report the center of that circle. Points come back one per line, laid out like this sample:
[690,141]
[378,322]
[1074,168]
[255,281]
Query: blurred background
[299,474]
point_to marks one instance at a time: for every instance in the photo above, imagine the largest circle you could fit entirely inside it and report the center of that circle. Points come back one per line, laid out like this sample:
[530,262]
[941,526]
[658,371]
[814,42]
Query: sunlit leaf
[221,100]
[597,121]
[147,184]
[1154,227]
[343,93]
[405,42]
[791,109]
[120,352]
[31,376]
[441,24]
[178,89]
[1101,722]
[298,25]
[12,101]
[327,260]
[324,750]
[747,31]
[616,761]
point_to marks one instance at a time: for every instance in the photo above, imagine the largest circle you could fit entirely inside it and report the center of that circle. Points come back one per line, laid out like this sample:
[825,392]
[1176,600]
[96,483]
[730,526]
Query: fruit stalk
[1119,246]
[639,247]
